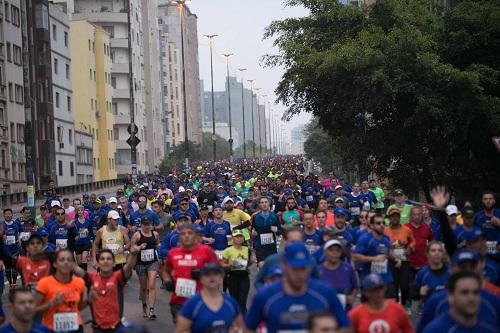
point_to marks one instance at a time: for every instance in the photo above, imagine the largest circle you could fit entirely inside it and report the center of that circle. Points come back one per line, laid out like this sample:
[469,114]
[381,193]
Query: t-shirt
[313,241]
[107,309]
[423,235]
[462,235]
[219,232]
[405,212]
[379,194]
[283,312]
[11,231]
[205,320]
[444,323]
[392,319]
[135,218]
[35,328]
[32,271]
[434,279]
[180,262]
[342,279]
[239,257]
[370,246]
[262,224]
[49,287]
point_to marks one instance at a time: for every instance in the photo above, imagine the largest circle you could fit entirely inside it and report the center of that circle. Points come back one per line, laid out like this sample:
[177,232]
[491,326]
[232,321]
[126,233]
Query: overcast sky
[240,25]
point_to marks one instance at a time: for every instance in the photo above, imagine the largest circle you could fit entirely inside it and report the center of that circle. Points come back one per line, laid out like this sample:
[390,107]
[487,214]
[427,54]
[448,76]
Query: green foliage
[406,86]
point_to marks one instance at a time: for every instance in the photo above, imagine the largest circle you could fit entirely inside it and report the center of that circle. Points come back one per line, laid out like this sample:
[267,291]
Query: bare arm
[97,241]
[183,325]
[132,259]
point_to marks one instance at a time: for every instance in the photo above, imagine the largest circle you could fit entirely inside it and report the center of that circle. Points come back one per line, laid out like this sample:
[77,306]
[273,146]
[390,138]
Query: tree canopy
[408,86]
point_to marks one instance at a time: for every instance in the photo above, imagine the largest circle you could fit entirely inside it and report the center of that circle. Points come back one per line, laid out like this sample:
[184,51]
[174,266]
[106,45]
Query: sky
[240,25]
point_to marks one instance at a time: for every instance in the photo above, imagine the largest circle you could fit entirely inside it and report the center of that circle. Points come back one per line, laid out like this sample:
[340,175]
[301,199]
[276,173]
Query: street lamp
[253,122]
[227,56]
[180,5]
[264,120]
[210,45]
[242,72]
[257,90]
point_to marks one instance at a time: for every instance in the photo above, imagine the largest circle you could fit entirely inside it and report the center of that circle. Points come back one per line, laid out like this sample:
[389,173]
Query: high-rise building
[172,73]
[92,100]
[297,139]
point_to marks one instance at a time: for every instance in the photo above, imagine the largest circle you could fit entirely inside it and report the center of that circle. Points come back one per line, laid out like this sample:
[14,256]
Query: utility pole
[214,138]
[242,72]
[227,56]
[253,121]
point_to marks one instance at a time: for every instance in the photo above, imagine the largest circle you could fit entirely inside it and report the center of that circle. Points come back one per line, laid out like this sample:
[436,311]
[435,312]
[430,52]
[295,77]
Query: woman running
[210,310]
[434,277]
[83,239]
[61,297]
[147,265]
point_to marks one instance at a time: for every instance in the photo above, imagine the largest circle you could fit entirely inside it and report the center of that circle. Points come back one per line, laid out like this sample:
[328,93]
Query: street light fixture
[214,138]
[253,121]
[227,56]
[257,90]
[264,120]
[242,72]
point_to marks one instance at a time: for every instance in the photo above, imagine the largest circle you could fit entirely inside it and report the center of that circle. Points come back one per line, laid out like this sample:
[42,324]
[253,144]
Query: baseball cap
[189,225]
[274,271]
[97,200]
[451,210]
[288,192]
[217,206]
[203,207]
[465,256]
[331,243]
[35,235]
[394,211]
[212,268]
[339,199]
[85,196]
[55,203]
[340,212]
[113,214]
[398,192]
[102,198]
[180,217]
[297,255]
[372,281]
[182,189]
[42,232]
[146,220]
[468,212]
[338,186]
[206,184]
[113,200]
[227,199]
[237,232]
[220,186]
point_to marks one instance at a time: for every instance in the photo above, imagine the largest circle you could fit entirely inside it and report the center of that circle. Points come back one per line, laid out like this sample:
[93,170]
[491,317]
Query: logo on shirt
[379,326]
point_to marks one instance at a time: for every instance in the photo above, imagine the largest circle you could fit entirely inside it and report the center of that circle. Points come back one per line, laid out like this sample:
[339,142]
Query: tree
[406,86]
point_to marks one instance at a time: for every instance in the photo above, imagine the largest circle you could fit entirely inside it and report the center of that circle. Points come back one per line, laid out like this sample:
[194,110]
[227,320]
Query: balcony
[119,43]
[121,93]
[102,17]
[122,119]
[119,68]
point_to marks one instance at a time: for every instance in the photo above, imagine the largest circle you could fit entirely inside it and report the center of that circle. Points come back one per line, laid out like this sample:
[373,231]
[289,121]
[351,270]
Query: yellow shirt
[235,218]
[238,257]
[114,241]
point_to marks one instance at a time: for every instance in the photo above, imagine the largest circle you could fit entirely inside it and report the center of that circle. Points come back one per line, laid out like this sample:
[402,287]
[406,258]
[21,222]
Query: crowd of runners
[315,254]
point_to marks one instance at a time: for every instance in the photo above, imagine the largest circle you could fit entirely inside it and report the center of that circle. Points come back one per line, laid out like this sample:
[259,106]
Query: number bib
[400,254]
[10,240]
[266,239]
[342,299]
[62,243]
[240,264]
[185,288]
[25,236]
[83,233]
[64,322]
[491,247]
[148,255]
[355,210]
[309,198]
[113,247]
[219,253]
[379,267]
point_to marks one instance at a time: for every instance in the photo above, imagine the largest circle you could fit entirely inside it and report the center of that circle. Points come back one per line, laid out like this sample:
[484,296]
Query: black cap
[35,235]
[146,220]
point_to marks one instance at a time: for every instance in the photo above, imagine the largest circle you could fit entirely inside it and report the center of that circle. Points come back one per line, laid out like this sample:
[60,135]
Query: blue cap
[217,206]
[212,267]
[288,192]
[42,232]
[86,196]
[181,216]
[102,198]
[340,212]
[474,235]
[274,271]
[341,178]
[464,256]
[297,255]
[149,192]
[372,281]
[199,229]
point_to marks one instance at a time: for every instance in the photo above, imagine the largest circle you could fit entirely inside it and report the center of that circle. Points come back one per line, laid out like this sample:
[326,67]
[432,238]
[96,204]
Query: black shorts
[265,251]
[79,249]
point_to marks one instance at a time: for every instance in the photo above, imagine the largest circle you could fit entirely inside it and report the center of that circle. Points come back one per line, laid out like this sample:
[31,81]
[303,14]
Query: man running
[265,228]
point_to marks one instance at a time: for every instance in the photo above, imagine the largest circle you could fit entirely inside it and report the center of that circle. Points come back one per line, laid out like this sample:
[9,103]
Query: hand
[349,299]
[57,300]
[397,263]
[210,240]
[495,221]
[134,249]
[274,229]
[95,264]
[379,258]
[92,297]
[169,285]
[254,233]
[424,290]
[440,196]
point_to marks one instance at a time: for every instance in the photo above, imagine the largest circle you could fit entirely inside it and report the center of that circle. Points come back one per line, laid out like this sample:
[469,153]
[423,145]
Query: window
[115,134]
[68,102]
[57,99]
[17,54]
[113,82]
[42,16]
[3,158]
[89,45]
[93,47]
[66,38]
[67,71]
[7,12]
[9,53]
[70,136]
[60,168]
[19,94]
[92,104]
[54,32]
[15,15]
[114,108]
[105,77]
[90,72]
[97,134]
[20,133]
[11,92]
[60,133]
[94,76]
[71,169]
[56,65]
[12,132]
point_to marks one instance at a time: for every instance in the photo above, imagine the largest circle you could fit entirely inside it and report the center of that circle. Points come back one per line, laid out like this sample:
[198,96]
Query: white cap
[54,203]
[113,200]
[182,189]
[338,186]
[451,210]
[226,199]
[113,214]
[331,243]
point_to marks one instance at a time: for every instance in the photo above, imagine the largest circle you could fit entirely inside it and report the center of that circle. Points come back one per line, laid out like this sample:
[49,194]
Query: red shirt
[393,319]
[423,235]
[107,310]
[32,271]
[180,262]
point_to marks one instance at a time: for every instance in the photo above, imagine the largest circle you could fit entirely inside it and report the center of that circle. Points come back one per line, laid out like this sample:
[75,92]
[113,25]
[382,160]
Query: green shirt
[238,257]
[379,194]
[405,212]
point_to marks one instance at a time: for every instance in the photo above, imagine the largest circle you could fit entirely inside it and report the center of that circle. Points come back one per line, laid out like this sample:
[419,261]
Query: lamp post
[270,130]
[227,56]
[265,127]
[180,5]
[257,90]
[242,72]
[253,121]
[214,143]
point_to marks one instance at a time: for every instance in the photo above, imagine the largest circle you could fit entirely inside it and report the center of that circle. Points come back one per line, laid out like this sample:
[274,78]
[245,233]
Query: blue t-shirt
[219,232]
[436,229]
[262,224]
[169,241]
[135,218]
[283,312]
[314,241]
[444,323]
[369,197]
[58,235]
[491,231]
[35,328]
[492,271]
[204,320]
[435,280]
[489,310]
[346,237]
[371,246]
[462,236]
[358,232]
[355,202]
[83,231]
[11,231]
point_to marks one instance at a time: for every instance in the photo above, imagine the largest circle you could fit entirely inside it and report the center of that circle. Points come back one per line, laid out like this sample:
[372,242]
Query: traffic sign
[132,129]
[496,142]
[133,141]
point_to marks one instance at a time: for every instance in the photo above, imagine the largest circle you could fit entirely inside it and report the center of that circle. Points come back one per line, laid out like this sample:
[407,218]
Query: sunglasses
[142,200]
[60,214]
[184,204]
[378,223]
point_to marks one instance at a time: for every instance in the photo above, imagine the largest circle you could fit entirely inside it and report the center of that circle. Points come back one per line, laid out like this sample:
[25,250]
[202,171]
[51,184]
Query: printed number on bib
[491,247]
[185,288]
[400,254]
[25,236]
[10,240]
[266,239]
[83,233]
[148,255]
[240,264]
[309,198]
[379,267]
[64,322]
[61,243]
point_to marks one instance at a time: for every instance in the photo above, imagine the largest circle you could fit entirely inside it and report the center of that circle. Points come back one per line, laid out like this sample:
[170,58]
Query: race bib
[491,247]
[148,255]
[266,239]
[61,243]
[219,253]
[64,322]
[342,299]
[400,254]
[10,240]
[355,210]
[113,247]
[185,288]
[83,233]
[309,198]
[379,267]
[25,236]
[240,264]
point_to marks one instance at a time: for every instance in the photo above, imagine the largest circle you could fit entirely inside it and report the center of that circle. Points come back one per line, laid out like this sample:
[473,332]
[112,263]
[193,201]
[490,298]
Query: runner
[210,310]
[235,216]
[432,278]
[35,265]
[343,231]
[62,232]
[136,217]
[488,219]
[401,205]
[376,314]
[83,240]
[312,236]
[11,232]
[467,229]
[23,312]
[217,232]
[265,228]
[28,227]
[379,194]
